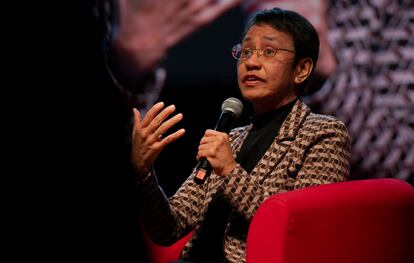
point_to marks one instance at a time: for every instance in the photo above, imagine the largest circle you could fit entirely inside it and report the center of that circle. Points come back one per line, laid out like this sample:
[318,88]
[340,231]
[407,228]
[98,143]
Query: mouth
[252,80]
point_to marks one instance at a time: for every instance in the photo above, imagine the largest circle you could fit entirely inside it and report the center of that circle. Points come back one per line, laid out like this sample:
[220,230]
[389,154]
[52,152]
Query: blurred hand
[148,28]
[315,12]
[215,147]
[147,140]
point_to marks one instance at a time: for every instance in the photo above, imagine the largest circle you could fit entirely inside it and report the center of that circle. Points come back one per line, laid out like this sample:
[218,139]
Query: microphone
[231,109]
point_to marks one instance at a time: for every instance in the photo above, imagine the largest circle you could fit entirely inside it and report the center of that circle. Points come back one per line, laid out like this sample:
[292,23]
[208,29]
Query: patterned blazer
[309,149]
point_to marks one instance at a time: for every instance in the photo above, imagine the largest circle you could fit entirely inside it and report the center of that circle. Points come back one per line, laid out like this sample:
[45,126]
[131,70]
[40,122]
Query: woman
[286,147]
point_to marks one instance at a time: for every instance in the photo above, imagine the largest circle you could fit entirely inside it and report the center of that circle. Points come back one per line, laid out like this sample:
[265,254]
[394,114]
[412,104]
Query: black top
[262,135]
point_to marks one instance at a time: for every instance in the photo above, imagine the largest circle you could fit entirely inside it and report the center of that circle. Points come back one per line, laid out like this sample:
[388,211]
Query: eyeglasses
[240,53]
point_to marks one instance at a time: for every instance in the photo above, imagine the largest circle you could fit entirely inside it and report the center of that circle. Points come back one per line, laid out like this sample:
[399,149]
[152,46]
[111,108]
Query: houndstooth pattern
[309,150]
[372,90]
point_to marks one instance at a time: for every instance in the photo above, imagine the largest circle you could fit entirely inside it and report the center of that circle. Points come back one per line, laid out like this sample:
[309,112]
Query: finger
[216,134]
[207,153]
[165,126]
[159,119]
[209,137]
[152,113]
[207,15]
[224,5]
[207,150]
[195,15]
[210,132]
[155,137]
[172,13]
[207,10]
[200,155]
[137,119]
[195,6]
[207,140]
[172,137]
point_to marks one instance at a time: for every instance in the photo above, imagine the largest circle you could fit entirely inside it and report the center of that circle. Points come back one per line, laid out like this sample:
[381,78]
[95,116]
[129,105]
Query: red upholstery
[161,254]
[357,221]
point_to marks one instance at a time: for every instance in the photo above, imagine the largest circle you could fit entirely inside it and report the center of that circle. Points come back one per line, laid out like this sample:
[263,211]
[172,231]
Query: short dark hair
[305,38]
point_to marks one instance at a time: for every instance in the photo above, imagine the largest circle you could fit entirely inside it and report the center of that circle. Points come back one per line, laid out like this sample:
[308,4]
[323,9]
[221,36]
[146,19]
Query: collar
[293,121]
[275,114]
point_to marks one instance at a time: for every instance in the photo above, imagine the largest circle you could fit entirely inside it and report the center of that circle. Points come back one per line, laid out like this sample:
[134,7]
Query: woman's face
[267,82]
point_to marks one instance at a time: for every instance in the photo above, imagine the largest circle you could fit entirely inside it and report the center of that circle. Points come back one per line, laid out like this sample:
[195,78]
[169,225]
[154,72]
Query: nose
[253,62]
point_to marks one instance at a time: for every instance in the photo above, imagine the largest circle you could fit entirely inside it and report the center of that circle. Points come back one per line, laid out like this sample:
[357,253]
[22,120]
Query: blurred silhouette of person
[285,147]
[97,58]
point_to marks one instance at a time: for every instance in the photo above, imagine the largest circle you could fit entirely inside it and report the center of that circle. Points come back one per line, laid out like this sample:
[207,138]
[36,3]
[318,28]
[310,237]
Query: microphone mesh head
[234,105]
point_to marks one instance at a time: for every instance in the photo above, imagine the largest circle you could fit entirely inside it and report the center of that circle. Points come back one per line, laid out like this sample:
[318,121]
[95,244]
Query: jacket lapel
[283,140]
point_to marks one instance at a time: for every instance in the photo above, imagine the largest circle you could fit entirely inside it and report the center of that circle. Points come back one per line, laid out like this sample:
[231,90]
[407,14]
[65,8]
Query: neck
[263,108]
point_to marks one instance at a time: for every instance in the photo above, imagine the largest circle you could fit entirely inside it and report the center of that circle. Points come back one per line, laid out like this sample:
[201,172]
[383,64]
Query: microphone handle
[224,124]
[203,171]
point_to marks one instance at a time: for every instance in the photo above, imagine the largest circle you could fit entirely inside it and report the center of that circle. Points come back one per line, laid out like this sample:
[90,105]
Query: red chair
[356,221]
[161,254]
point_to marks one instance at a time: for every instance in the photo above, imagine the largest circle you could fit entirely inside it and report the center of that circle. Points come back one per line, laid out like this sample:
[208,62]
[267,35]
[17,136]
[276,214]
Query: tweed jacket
[309,149]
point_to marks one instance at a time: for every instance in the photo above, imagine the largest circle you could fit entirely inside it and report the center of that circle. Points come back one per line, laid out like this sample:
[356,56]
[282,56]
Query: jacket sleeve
[166,220]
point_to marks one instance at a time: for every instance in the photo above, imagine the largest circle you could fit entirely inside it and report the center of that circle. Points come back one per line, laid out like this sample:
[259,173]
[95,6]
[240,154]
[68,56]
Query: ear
[303,69]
